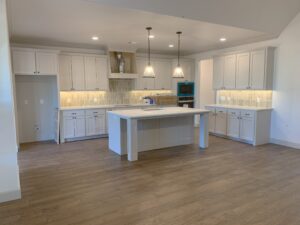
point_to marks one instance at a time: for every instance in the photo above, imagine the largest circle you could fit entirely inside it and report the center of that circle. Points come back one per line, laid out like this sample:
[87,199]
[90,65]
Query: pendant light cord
[179,33]
[149,28]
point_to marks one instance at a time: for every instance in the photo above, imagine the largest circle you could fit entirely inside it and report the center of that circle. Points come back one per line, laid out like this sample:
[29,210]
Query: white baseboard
[10,196]
[285,143]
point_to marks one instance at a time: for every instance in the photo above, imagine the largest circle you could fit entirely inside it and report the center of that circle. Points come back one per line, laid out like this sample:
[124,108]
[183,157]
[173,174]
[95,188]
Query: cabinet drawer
[73,113]
[221,110]
[233,112]
[93,112]
[248,114]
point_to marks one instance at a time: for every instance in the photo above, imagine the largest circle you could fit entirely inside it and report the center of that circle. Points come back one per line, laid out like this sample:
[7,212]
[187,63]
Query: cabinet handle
[38,72]
[247,114]
[233,113]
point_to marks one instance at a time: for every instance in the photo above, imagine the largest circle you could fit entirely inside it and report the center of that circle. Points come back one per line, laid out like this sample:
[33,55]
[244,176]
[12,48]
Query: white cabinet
[233,123]
[143,83]
[102,73]
[83,72]
[65,73]
[34,62]
[95,73]
[163,74]
[229,71]
[261,69]
[250,126]
[95,122]
[91,79]
[74,124]
[221,121]
[247,126]
[243,71]
[218,121]
[78,73]
[218,72]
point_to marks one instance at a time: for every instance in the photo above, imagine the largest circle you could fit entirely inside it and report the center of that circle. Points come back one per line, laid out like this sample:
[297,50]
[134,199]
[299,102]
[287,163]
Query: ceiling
[72,23]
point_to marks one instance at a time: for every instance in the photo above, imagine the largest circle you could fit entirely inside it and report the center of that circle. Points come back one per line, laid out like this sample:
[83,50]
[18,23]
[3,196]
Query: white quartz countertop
[104,106]
[240,107]
[156,112]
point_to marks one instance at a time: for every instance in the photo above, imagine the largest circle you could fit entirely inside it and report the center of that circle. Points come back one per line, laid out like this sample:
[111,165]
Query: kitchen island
[133,131]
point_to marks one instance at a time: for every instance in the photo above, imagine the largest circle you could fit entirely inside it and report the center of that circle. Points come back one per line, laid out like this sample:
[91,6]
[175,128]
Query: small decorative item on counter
[148,100]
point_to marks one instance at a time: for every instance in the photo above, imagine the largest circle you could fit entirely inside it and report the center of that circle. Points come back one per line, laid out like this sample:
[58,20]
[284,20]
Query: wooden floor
[231,183]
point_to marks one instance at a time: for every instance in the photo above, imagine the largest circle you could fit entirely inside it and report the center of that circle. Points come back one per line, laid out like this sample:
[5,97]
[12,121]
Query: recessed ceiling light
[132,42]
[151,36]
[171,46]
[223,39]
[95,38]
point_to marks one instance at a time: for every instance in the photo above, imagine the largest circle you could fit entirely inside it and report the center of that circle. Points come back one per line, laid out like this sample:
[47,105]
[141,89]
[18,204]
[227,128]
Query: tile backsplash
[120,92]
[245,98]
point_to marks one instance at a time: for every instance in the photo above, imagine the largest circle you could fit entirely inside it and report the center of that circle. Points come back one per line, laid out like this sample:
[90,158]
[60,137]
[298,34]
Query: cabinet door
[212,121]
[46,63]
[101,73]
[65,73]
[24,62]
[218,72]
[91,80]
[90,126]
[78,73]
[143,83]
[233,123]
[221,121]
[243,71]
[80,126]
[257,69]
[247,128]
[229,71]
[100,124]
[163,72]
[69,127]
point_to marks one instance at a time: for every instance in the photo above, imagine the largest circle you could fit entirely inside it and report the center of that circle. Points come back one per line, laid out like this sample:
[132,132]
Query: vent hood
[122,65]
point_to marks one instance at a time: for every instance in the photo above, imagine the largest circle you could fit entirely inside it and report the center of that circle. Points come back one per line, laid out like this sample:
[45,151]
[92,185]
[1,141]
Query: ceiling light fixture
[151,36]
[171,46]
[178,72]
[223,39]
[95,38]
[149,71]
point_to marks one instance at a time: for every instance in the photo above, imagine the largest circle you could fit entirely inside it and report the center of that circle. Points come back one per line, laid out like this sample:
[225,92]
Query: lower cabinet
[95,122]
[83,123]
[251,126]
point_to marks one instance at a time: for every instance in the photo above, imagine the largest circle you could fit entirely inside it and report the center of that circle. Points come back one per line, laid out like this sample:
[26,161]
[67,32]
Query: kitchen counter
[133,131]
[104,106]
[240,107]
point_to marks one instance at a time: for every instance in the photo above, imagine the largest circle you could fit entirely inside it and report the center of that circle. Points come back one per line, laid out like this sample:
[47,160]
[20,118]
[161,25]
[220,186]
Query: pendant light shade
[149,71]
[178,72]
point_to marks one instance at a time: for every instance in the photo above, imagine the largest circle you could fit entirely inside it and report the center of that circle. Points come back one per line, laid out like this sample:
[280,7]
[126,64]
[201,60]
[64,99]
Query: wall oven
[185,94]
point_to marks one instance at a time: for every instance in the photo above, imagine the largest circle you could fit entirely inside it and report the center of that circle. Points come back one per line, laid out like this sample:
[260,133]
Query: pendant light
[178,72]
[149,71]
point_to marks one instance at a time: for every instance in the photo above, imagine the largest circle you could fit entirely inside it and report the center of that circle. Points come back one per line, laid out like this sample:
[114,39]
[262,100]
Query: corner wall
[9,170]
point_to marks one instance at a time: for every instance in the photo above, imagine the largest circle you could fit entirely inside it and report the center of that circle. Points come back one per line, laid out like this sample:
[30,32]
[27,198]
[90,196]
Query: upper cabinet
[163,69]
[34,61]
[243,71]
[83,72]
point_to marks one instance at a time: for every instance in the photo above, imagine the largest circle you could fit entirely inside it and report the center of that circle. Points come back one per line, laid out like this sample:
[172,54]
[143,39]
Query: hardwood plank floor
[82,183]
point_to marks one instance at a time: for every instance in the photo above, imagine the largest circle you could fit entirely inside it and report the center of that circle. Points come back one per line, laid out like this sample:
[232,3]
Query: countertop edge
[241,107]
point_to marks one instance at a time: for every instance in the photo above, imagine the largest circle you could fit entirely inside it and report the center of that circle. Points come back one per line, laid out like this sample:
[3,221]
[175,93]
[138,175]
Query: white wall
[36,103]
[285,126]
[9,171]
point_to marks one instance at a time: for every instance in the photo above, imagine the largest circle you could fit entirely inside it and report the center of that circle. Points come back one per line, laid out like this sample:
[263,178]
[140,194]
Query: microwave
[185,89]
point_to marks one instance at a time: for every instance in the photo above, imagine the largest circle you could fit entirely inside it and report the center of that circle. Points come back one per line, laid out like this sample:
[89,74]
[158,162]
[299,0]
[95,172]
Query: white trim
[10,196]
[285,143]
